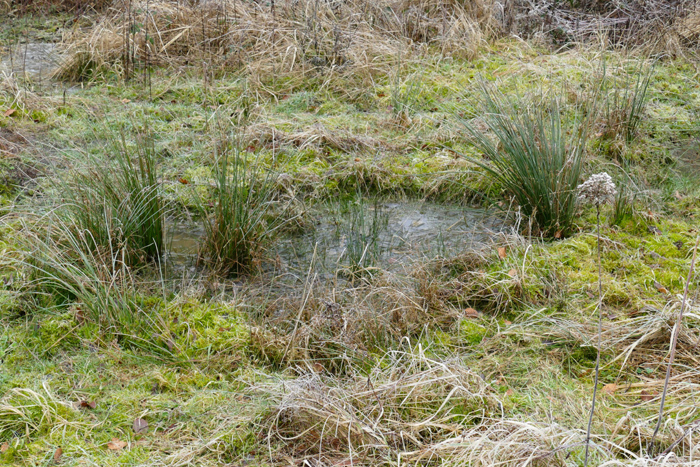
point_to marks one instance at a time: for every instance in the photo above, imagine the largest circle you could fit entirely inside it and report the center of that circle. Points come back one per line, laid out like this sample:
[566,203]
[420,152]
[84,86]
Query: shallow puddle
[387,236]
[36,60]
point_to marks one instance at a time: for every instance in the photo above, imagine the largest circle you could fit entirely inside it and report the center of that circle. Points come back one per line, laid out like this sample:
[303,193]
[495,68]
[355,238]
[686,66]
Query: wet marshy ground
[34,60]
[360,235]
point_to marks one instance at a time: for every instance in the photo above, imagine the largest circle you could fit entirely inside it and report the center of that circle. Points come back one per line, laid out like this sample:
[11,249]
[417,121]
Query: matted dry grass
[280,40]
[292,40]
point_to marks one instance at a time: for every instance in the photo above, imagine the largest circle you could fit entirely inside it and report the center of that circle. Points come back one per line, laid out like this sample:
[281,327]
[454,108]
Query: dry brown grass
[423,409]
[637,348]
[315,136]
[337,326]
[656,26]
[19,97]
[420,410]
[404,403]
[287,41]
[51,6]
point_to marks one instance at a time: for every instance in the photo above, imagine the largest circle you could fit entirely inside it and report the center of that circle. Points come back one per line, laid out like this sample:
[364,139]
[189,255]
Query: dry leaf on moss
[471,313]
[87,404]
[116,444]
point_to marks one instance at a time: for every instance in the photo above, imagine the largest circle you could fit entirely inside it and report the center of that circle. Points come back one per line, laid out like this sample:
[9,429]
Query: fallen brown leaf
[557,234]
[9,112]
[502,252]
[140,425]
[335,444]
[471,313]
[116,445]
[5,446]
[80,316]
[646,396]
[512,273]
[660,287]
[88,404]
[57,455]
[610,388]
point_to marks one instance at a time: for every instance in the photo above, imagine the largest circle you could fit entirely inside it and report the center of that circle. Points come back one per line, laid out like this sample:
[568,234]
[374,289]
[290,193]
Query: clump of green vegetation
[63,268]
[536,156]
[30,413]
[624,104]
[241,225]
[362,239]
[115,203]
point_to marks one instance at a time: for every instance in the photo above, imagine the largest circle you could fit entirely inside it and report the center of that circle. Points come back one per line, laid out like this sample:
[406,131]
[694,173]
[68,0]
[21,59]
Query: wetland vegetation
[324,232]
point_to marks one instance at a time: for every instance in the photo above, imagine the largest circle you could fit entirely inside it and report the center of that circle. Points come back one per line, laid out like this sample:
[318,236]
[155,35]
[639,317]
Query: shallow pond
[351,236]
[36,60]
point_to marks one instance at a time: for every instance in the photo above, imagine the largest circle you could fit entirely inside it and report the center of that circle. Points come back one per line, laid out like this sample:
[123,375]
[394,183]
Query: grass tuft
[536,156]
[24,412]
[241,225]
[115,204]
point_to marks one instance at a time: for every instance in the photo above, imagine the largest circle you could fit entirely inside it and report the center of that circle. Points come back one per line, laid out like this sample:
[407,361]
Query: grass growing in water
[241,225]
[535,156]
[118,207]
[362,248]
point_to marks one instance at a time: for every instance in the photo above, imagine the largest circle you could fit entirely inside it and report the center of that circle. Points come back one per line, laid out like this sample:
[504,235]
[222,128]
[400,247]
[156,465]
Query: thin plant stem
[674,341]
[600,332]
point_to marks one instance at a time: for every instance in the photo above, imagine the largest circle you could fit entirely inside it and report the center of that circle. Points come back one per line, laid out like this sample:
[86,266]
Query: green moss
[206,329]
[472,332]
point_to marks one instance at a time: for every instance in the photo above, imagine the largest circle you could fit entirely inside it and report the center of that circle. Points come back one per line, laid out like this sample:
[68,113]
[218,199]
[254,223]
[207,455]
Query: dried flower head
[598,189]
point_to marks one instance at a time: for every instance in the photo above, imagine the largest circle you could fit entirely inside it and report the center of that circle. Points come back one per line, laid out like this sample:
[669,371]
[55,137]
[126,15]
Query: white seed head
[598,189]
